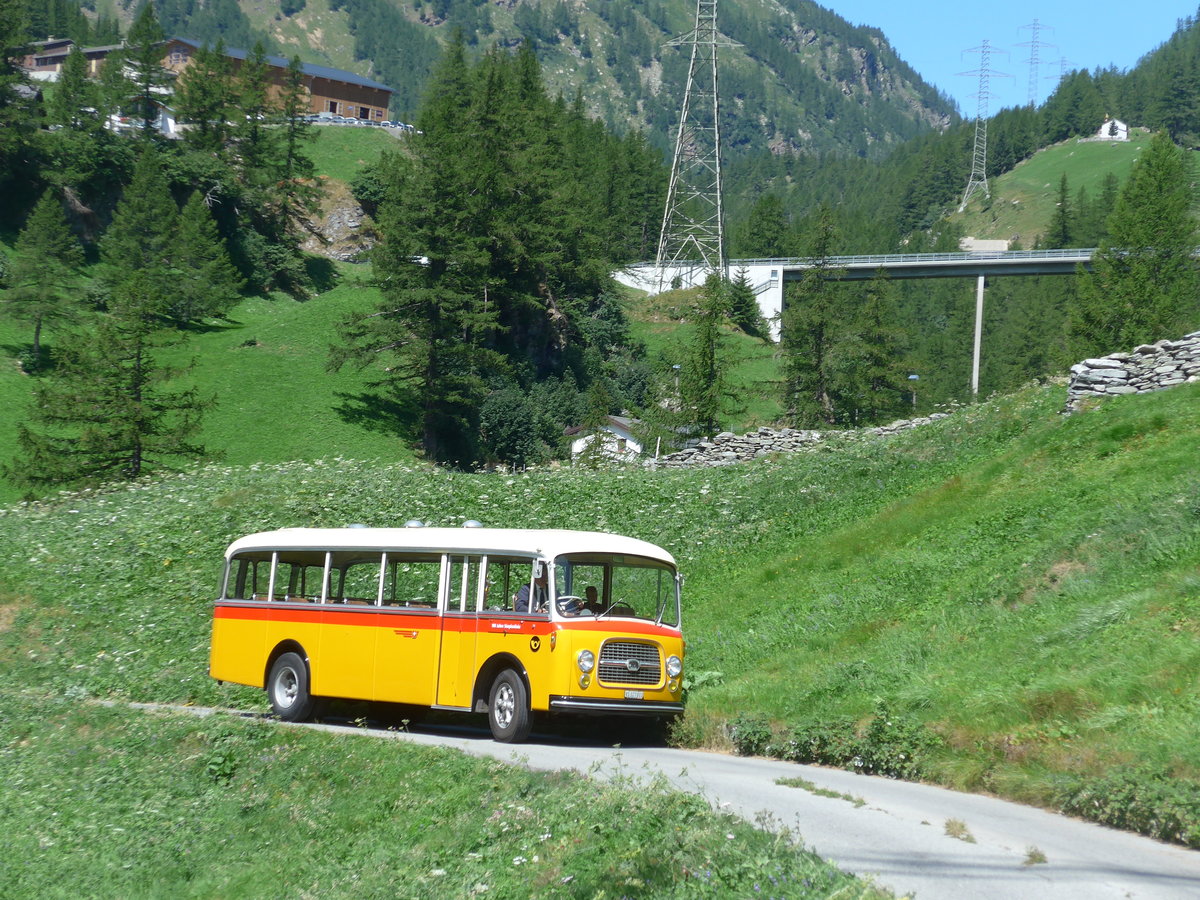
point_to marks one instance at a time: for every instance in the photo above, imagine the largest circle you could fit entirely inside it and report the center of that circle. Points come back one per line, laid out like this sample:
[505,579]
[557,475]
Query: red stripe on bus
[373,617]
[326,616]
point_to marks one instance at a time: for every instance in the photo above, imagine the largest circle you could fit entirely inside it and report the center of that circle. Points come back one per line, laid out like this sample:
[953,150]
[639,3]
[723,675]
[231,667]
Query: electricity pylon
[978,180]
[693,227]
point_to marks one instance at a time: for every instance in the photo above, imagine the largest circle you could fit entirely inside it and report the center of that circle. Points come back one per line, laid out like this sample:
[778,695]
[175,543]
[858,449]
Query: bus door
[346,663]
[456,668]
[409,634]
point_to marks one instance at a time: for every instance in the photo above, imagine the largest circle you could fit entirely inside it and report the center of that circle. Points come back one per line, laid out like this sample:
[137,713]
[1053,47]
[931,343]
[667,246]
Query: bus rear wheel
[287,688]
[508,708]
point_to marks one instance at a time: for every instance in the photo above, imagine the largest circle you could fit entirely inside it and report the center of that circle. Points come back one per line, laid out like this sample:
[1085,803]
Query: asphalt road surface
[893,832]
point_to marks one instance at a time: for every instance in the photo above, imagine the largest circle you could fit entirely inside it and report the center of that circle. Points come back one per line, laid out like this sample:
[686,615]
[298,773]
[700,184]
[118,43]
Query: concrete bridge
[768,276]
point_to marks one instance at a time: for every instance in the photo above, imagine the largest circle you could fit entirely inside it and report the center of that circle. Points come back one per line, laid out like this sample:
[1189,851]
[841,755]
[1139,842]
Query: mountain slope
[802,78]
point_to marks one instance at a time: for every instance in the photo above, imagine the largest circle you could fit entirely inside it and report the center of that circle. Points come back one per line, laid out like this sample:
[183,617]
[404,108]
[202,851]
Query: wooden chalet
[332,91]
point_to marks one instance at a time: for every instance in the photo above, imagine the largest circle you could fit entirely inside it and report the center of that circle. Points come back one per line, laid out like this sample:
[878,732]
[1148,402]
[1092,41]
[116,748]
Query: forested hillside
[802,77]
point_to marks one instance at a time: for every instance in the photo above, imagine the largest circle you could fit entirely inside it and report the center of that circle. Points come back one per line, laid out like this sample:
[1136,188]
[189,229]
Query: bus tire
[287,688]
[508,708]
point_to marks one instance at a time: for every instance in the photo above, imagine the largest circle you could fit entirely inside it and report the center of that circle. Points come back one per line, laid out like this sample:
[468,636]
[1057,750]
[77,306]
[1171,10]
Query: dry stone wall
[1150,367]
[728,448]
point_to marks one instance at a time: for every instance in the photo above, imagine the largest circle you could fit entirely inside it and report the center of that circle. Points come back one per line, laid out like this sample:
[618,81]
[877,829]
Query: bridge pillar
[979,284]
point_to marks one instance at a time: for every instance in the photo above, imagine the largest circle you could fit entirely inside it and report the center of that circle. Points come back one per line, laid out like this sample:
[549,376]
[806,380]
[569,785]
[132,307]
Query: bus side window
[463,592]
[498,589]
[358,581]
[251,578]
[414,582]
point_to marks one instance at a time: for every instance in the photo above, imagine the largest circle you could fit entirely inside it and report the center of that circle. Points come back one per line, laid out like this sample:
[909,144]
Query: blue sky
[932,35]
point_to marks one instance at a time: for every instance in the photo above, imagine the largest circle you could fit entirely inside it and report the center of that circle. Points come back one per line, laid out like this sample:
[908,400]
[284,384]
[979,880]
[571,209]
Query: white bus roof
[546,543]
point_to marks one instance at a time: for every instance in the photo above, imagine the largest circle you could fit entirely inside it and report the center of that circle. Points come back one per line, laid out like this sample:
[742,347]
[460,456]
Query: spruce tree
[1145,284]
[44,286]
[205,98]
[75,101]
[869,367]
[18,122]
[144,52]
[205,282]
[141,239]
[108,411]
[743,306]
[811,322]
[1059,235]
[703,382]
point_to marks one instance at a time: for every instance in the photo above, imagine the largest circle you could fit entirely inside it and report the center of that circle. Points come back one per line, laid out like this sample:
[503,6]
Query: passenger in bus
[539,593]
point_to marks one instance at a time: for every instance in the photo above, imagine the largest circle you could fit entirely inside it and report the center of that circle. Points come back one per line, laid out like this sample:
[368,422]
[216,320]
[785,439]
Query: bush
[751,735]
[895,746]
[833,742]
[892,745]
[1148,801]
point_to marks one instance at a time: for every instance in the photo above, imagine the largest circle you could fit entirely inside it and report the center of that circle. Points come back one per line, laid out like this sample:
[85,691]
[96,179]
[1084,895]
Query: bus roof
[547,543]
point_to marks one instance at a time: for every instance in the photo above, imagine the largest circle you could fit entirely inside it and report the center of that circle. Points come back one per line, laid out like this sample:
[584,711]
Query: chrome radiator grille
[629,662]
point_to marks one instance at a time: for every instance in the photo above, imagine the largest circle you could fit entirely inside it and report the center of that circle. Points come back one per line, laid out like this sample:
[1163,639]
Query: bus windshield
[616,586]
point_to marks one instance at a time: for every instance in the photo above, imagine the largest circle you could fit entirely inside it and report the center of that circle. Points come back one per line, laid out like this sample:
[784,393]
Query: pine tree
[107,411]
[811,323]
[205,282]
[46,275]
[703,383]
[1145,285]
[1059,235]
[141,239]
[206,100]
[75,101]
[144,53]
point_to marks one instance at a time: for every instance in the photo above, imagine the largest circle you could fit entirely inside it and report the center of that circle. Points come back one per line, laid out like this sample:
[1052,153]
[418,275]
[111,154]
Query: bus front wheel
[287,688]
[508,708]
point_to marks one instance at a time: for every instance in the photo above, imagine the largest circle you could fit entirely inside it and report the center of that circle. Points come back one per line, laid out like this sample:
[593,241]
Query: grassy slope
[659,323]
[1026,585]
[341,150]
[266,369]
[155,806]
[1024,199]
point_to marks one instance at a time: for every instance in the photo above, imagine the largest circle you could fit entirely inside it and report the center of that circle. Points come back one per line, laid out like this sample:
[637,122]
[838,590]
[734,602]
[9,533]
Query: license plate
[635,695]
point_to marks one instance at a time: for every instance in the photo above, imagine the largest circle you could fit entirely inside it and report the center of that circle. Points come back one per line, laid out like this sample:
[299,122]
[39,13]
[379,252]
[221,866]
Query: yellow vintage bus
[505,622]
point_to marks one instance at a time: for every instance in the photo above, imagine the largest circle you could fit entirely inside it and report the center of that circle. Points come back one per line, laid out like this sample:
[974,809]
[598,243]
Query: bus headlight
[586,660]
[674,666]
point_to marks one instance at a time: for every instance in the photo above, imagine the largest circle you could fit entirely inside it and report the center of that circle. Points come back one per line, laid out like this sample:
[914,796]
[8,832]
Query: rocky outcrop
[728,448]
[1150,367]
[342,230]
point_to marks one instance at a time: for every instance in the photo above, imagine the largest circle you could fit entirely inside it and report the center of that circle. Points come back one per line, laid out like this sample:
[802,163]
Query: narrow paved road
[890,831]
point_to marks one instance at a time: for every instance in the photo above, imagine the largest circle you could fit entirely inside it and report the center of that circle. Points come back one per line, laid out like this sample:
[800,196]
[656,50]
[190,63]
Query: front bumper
[606,707]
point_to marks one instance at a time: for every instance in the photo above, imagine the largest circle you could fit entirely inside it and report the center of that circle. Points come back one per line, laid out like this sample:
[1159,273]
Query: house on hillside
[615,433]
[45,61]
[332,92]
[1113,130]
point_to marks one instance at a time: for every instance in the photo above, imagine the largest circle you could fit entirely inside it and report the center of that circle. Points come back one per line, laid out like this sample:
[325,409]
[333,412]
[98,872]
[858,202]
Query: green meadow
[1006,600]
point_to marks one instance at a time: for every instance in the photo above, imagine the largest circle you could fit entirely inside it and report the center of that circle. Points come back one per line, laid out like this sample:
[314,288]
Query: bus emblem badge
[535,643]
[633,666]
